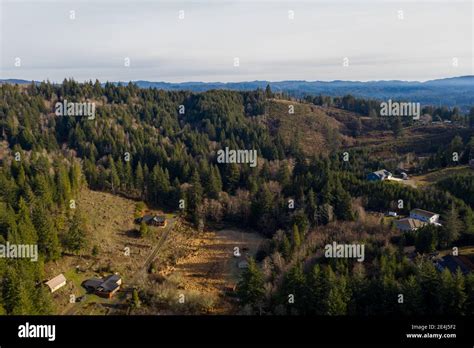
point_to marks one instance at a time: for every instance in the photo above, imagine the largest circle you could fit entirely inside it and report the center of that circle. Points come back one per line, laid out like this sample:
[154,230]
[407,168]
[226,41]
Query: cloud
[204,44]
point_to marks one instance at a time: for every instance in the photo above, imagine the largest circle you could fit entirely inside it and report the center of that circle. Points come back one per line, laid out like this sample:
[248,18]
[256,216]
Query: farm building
[56,283]
[153,220]
[106,287]
[379,175]
[92,284]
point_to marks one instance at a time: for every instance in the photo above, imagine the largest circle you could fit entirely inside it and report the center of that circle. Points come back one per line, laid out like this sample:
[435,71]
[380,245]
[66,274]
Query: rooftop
[452,263]
[422,212]
[409,223]
[56,281]
[382,172]
[109,283]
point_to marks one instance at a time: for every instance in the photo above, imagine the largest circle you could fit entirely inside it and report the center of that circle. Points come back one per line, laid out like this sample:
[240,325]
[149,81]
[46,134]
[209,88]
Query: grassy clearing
[465,250]
[199,265]
[313,128]
[433,177]
[210,266]
[111,228]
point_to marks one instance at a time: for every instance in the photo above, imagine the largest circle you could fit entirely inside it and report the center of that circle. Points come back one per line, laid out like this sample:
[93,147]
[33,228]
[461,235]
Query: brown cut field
[211,267]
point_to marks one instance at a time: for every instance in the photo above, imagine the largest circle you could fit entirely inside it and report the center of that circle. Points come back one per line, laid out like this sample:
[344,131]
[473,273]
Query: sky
[270,40]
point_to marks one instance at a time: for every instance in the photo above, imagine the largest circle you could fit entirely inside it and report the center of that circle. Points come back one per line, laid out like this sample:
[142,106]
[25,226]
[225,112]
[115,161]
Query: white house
[425,216]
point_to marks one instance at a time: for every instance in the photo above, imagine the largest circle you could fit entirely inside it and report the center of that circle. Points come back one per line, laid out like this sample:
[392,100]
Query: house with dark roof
[409,224]
[379,175]
[153,220]
[106,287]
[453,263]
[92,284]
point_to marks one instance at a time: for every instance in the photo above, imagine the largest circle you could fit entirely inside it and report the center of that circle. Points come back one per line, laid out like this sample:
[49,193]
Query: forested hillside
[161,147]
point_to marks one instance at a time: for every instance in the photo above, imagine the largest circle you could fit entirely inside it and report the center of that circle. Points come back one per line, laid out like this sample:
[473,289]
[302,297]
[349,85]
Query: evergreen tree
[268,92]
[48,242]
[296,237]
[135,299]
[452,228]
[195,194]
[337,297]
[469,290]
[250,288]
[144,231]
[214,183]
[18,300]
[113,178]
[412,297]
[426,239]
[75,240]
[139,179]
[63,185]
[284,178]
[294,289]
[342,205]
[311,207]
[128,179]
[43,190]
[25,233]
[76,176]
[232,176]
[285,247]
[317,291]
[429,283]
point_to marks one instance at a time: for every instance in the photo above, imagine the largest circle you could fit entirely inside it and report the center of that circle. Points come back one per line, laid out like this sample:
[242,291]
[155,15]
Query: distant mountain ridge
[454,91]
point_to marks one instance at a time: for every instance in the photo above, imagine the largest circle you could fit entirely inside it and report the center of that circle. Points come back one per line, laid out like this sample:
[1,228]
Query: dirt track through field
[212,266]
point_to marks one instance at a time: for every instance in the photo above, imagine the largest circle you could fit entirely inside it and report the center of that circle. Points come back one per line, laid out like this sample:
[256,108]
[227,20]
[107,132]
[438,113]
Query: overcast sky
[204,44]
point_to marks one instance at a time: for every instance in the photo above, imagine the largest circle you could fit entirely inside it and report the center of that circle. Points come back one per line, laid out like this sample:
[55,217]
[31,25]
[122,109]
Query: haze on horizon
[203,45]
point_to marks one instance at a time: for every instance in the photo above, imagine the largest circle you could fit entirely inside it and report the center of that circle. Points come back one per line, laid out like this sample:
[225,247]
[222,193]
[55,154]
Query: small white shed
[56,283]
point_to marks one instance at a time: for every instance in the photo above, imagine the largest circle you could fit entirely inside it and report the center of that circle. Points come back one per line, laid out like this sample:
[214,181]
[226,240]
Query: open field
[203,262]
[211,267]
[465,251]
[435,176]
[111,229]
